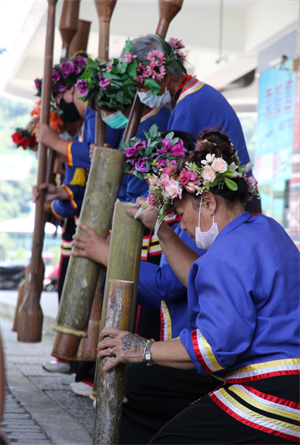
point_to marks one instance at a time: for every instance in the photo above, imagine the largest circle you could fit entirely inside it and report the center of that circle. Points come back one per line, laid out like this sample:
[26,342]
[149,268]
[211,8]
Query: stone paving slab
[58,425]
[50,382]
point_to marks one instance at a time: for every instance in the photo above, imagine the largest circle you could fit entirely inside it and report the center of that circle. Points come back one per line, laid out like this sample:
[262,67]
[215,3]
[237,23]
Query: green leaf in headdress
[230,184]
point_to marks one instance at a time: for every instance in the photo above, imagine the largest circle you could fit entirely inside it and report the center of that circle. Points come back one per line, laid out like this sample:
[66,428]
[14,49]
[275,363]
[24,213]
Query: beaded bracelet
[147,357]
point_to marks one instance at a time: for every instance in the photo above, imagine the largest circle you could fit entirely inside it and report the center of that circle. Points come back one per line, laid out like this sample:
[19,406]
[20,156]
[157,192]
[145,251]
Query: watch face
[148,356]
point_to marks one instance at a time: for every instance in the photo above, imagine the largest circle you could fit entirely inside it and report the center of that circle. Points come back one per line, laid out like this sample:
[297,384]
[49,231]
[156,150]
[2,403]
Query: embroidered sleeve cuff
[71,196]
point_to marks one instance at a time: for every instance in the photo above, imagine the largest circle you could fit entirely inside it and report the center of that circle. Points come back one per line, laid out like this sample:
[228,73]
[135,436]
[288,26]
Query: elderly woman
[243,298]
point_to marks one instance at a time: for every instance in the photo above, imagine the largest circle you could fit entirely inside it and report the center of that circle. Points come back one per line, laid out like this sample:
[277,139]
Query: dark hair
[188,140]
[211,141]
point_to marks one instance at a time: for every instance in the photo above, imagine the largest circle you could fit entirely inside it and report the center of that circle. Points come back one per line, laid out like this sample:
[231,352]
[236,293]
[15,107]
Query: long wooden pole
[168,9]
[30,319]
[81,38]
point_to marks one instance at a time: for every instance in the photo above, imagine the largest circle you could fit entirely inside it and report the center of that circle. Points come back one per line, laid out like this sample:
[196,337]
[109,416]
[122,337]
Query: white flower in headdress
[209,159]
[248,167]
[219,165]
[233,166]
[208,174]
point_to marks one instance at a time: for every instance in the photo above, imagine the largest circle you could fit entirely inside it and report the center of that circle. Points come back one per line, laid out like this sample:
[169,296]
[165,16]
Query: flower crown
[64,75]
[114,82]
[155,68]
[154,153]
[169,183]
[25,137]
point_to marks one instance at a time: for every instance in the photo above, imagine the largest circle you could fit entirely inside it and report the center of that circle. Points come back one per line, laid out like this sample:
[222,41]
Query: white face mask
[152,101]
[67,137]
[205,239]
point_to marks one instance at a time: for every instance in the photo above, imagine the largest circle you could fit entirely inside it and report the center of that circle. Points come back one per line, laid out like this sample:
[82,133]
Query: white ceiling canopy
[249,27]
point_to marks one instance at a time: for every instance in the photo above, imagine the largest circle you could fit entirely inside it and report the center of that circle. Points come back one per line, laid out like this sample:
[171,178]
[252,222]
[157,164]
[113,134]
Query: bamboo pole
[66,346]
[127,238]
[30,318]
[112,383]
[82,275]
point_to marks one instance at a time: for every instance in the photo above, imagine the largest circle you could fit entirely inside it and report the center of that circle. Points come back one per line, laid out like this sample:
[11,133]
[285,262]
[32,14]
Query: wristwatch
[147,356]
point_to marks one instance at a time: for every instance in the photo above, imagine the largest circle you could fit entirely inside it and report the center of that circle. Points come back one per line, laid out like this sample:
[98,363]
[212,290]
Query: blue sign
[274,144]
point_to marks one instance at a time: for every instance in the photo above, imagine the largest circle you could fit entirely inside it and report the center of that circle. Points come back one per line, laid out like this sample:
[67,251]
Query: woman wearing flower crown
[243,302]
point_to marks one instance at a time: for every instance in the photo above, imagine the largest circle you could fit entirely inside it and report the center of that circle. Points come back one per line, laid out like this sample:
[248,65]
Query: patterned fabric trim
[79,177]
[165,323]
[264,370]
[66,248]
[204,353]
[71,196]
[265,413]
[191,88]
[150,113]
[55,213]
[69,155]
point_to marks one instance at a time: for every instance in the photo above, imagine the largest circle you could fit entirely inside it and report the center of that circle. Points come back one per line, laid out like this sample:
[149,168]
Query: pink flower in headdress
[67,68]
[171,169]
[109,67]
[104,83]
[55,75]
[152,181]
[181,55]
[156,71]
[79,60]
[176,43]
[192,187]
[152,200]
[184,177]
[141,73]
[156,56]
[61,87]
[82,86]
[173,189]
[140,165]
[129,57]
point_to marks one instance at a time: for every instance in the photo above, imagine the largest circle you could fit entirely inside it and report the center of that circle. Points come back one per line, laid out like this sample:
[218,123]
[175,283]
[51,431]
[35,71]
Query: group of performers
[218,287]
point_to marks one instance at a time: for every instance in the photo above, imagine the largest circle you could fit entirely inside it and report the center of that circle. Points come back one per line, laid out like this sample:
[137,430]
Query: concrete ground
[39,410]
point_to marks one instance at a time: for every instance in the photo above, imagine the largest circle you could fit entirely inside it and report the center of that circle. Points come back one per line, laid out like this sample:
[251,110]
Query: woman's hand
[148,217]
[92,246]
[46,135]
[92,148]
[122,346]
[51,192]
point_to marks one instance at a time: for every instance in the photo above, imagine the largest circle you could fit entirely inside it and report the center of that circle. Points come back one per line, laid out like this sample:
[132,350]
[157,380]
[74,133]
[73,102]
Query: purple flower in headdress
[140,165]
[55,76]
[130,152]
[67,68]
[80,61]
[38,83]
[103,82]
[166,146]
[61,87]
[82,86]
[78,69]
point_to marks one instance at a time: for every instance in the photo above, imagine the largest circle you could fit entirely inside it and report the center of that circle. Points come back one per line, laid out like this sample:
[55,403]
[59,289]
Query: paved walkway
[39,410]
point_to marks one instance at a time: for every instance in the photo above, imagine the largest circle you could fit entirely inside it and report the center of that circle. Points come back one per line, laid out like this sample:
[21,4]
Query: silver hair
[141,46]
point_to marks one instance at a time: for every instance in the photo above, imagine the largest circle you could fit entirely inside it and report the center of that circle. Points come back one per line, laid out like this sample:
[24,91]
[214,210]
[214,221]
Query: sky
[13,14]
